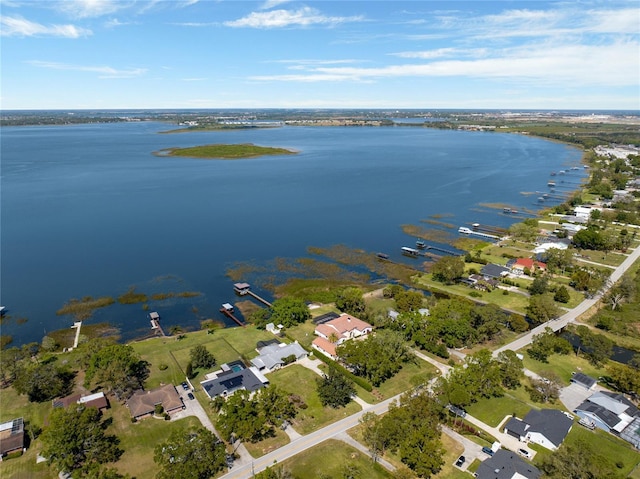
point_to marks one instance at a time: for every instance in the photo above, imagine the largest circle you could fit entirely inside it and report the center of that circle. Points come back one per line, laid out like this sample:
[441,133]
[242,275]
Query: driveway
[574,395]
[194,408]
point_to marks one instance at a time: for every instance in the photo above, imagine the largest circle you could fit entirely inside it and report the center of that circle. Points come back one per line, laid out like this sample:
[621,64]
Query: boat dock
[468,231]
[243,289]
[227,310]
[489,229]
[154,317]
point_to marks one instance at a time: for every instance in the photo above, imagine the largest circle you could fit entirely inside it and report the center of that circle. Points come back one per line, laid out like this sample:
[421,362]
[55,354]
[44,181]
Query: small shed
[583,380]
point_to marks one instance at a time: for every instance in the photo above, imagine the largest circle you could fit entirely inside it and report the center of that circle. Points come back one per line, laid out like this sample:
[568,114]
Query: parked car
[458,411]
[191,396]
[185,386]
[460,461]
[487,450]
[525,453]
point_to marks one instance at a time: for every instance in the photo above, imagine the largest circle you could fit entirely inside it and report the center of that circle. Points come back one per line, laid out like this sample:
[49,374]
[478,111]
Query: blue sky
[75,54]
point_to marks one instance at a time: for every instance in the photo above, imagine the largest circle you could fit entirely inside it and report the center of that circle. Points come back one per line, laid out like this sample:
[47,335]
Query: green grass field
[302,381]
[227,152]
[329,458]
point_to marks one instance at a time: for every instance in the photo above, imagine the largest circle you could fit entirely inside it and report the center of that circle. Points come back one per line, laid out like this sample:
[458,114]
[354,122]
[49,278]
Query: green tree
[190,455]
[75,439]
[562,295]
[517,323]
[350,301]
[201,358]
[409,301]
[546,389]
[42,381]
[511,369]
[589,238]
[447,269]
[335,389]
[542,308]
[118,368]
[624,378]
[578,460]
[523,232]
[289,312]
[546,344]
[540,285]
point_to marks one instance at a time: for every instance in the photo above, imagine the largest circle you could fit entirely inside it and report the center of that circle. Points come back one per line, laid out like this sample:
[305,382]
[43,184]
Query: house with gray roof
[225,383]
[547,427]
[494,271]
[272,356]
[505,464]
[614,413]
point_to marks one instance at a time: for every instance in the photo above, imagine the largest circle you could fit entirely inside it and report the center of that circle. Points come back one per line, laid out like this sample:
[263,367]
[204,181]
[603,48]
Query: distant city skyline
[180,54]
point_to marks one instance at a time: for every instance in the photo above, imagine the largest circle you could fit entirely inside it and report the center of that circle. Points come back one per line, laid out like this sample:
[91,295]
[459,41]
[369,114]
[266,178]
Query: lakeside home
[336,331]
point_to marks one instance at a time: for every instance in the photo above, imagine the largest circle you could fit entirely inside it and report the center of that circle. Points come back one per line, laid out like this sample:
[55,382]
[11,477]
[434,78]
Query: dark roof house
[226,383]
[505,464]
[494,271]
[547,427]
[97,400]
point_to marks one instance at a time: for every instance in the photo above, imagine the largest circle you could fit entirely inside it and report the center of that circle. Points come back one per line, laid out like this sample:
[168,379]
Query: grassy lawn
[25,467]
[513,301]
[139,439]
[492,411]
[303,333]
[14,405]
[267,445]
[610,259]
[563,366]
[609,446]
[225,345]
[330,458]
[453,450]
[300,380]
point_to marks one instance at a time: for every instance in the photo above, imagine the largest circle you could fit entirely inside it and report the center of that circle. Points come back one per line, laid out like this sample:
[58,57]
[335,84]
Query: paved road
[571,315]
[305,442]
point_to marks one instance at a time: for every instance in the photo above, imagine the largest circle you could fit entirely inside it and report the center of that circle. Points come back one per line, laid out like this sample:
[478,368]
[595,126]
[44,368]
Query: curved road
[571,315]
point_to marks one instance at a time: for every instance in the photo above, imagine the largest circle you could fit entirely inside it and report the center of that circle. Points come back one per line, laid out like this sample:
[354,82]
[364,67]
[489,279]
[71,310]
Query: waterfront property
[143,403]
[11,437]
[231,378]
[519,265]
[274,356]
[337,331]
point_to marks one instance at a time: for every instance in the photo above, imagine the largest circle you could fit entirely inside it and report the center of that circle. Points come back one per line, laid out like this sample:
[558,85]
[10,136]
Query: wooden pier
[243,289]
[489,229]
[154,317]
[227,310]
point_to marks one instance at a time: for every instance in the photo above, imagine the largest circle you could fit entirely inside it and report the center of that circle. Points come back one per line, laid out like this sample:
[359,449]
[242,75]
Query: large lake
[88,210]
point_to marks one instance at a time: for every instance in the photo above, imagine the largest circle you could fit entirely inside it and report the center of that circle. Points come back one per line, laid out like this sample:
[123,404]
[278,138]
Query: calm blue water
[88,210]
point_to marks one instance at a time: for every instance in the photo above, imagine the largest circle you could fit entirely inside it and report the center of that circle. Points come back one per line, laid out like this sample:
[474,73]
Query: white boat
[465,230]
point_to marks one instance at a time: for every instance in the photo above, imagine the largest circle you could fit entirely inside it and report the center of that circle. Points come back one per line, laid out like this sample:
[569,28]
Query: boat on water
[421,244]
[410,251]
[551,183]
[464,230]
[382,256]
[2,309]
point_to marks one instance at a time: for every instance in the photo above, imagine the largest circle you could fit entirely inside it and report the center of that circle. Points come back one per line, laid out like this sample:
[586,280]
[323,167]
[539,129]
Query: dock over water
[227,310]
[243,289]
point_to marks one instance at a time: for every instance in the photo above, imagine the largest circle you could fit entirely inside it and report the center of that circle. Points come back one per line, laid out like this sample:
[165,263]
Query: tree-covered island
[225,151]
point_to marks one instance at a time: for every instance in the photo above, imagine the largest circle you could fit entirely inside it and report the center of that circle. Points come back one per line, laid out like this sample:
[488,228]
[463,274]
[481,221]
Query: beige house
[143,403]
[336,331]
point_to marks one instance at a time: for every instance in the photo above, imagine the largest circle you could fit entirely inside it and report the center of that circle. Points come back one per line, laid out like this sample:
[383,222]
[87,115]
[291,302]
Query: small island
[225,151]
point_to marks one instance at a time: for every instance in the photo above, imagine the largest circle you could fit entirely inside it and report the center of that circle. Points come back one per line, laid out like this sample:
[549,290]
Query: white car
[525,453]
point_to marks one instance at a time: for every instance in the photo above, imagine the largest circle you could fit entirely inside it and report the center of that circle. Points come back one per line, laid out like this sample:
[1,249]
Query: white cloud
[92,8]
[427,54]
[103,71]
[268,4]
[305,16]
[565,65]
[21,27]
